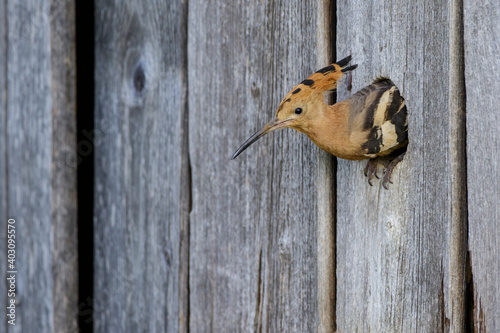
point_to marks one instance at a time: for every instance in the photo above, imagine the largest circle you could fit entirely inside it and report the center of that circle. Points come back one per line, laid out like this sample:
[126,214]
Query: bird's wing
[378,119]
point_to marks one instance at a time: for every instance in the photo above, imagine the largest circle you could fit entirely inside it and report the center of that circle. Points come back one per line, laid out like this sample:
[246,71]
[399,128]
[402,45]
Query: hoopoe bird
[371,124]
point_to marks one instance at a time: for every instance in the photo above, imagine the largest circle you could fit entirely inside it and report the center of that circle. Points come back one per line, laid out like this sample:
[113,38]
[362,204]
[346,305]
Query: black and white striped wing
[378,119]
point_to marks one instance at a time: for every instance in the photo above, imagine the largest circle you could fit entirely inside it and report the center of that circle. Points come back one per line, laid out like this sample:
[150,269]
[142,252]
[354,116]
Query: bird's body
[371,123]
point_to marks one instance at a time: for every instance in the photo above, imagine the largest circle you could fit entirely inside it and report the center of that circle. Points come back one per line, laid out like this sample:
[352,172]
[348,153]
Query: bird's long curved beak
[274,124]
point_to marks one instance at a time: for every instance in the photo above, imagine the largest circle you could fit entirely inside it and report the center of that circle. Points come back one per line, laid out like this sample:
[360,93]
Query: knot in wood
[139,78]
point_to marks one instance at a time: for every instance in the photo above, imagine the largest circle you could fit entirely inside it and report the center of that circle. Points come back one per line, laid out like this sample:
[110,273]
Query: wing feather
[378,119]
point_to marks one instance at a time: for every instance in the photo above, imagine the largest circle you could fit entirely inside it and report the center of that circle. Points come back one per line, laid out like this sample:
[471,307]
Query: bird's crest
[326,79]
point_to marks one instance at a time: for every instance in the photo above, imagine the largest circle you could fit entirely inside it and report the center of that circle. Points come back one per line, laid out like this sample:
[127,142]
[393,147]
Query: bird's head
[303,102]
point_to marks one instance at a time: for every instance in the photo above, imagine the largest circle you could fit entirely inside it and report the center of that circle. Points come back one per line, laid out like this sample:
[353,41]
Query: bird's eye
[298,110]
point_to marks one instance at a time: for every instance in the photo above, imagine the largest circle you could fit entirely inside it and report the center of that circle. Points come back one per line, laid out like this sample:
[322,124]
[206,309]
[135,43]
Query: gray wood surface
[64,166]
[393,247]
[482,68]
[3,155]
[29,151]
[459,300]
[253,253]
[38,104]
[140,102]
[284,238]
[326,186]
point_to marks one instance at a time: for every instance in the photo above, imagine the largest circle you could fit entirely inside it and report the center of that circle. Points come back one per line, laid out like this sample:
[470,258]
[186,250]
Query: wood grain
[64,166]
[482,68]
[38,164]
[3,154]
[393,247]
[27,112]
[327,166]
[254,220]
[458,162]
[282,239]
[140,102]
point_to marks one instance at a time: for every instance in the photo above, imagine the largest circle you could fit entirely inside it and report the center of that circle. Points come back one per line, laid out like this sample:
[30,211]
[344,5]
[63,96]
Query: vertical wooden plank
[140,100]
[3,155]
[253,254]
[393,246]
[326,185]
[38,174]
[64,189]
[458,162]
[482,68]
[29,152]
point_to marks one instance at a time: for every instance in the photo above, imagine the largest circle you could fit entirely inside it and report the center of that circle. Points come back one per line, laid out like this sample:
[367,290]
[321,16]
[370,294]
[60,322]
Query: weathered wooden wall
[326,186]
[401,253]
[38,165]
[284,238]
[140,109]
[64,166]
[3,152]
[482,78]
[253,254]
